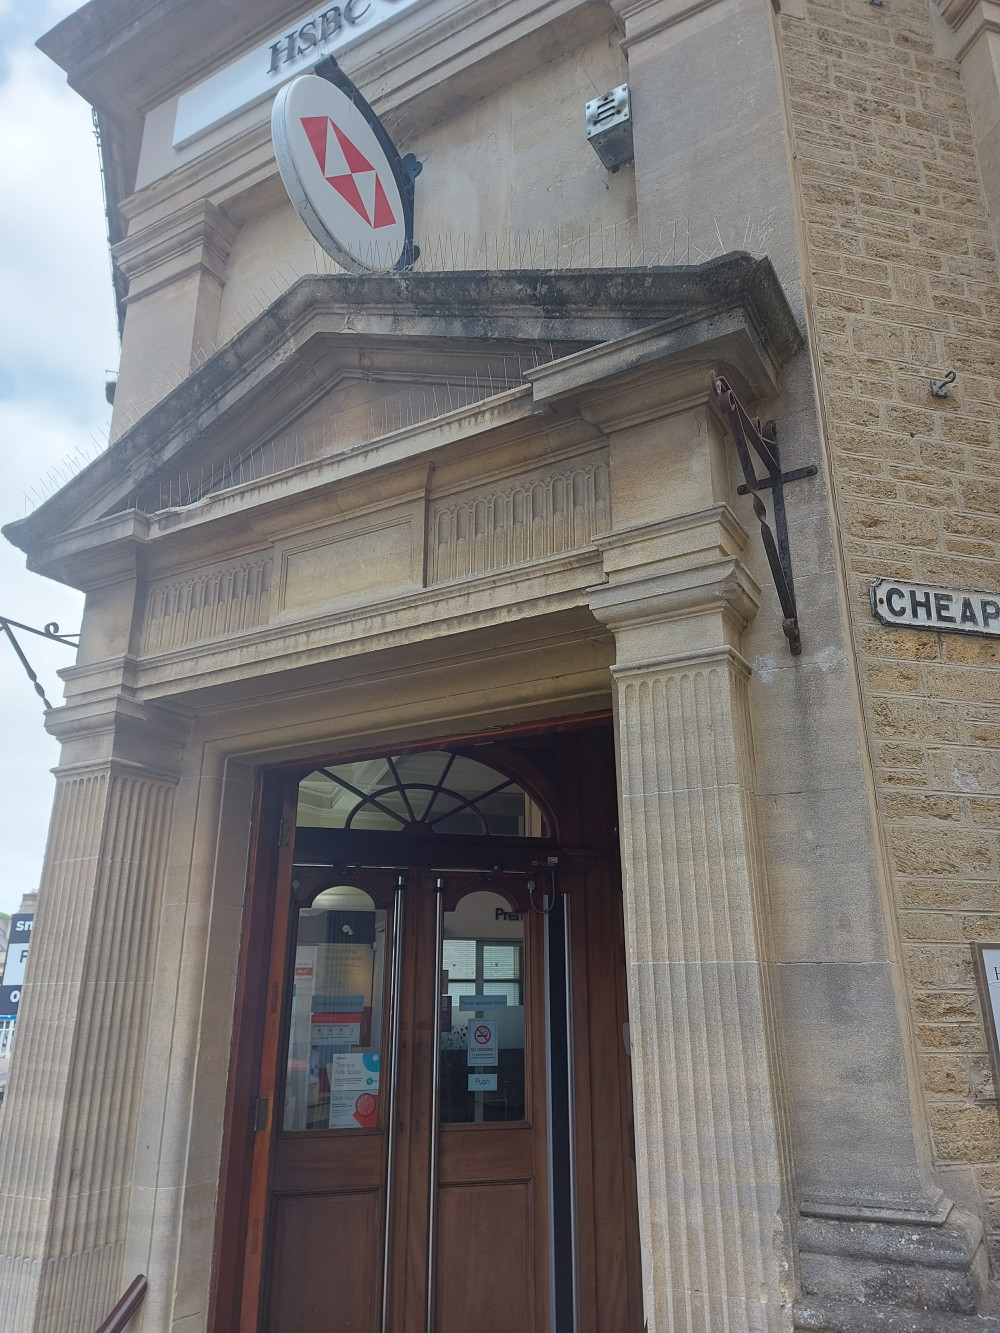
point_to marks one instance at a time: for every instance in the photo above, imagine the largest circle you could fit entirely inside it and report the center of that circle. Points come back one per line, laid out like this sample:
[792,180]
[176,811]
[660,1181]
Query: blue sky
[57,344]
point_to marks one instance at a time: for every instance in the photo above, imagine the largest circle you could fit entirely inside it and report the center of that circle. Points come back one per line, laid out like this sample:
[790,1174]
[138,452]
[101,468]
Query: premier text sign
[262,71]
[923,606]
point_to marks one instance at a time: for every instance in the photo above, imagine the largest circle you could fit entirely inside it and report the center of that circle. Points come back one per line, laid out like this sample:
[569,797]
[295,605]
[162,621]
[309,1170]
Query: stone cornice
[296,340]
[220,174]
[126,59]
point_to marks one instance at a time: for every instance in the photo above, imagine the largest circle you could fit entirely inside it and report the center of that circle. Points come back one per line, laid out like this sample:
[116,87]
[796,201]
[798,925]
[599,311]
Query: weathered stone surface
[854,1317]
[914,1267]
[884,98]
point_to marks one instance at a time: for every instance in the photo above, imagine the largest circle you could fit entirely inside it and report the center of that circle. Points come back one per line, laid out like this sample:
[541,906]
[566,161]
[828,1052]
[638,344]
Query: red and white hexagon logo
[337,175]
[346,168]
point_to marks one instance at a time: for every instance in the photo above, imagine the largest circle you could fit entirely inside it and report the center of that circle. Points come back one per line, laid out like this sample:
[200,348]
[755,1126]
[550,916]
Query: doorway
[441,1115]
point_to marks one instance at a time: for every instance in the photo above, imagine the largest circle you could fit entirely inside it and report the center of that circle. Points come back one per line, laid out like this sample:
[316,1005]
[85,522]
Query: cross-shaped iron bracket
[51,631]
[749,434]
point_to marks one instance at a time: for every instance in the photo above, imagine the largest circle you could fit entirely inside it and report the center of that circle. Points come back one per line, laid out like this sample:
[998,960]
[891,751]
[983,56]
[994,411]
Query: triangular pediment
[341,360]
[339,392]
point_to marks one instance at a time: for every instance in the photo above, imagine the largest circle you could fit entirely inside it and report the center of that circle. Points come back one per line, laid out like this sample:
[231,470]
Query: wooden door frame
[274,802]
[271,798]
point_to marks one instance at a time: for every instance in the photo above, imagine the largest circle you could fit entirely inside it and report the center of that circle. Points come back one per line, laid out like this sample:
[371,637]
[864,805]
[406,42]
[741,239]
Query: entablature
[498,508]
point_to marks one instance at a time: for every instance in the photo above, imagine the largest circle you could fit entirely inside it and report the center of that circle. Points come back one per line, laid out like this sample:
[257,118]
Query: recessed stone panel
[349,568]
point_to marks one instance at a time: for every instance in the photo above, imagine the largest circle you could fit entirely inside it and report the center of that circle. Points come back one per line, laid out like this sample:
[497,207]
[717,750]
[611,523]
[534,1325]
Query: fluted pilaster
[709,1145]
[67,1126]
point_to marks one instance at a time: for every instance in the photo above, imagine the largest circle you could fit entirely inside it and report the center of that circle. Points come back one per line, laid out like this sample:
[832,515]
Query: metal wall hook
[939,388]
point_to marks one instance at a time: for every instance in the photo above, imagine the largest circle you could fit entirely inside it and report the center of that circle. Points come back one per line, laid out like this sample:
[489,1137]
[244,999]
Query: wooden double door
[408,1185]
[433,1055]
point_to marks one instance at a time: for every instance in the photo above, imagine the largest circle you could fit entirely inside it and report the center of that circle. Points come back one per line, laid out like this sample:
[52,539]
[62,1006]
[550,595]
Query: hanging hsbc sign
[343,174]
[295,50]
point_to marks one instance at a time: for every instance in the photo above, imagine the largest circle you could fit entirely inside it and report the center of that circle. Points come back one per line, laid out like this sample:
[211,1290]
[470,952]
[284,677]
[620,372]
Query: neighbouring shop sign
[259,73]
[987,961]
[922,606]
[15,963]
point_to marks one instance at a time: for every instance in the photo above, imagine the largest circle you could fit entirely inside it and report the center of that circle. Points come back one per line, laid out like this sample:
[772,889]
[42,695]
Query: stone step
[857,1317]
[887,1265]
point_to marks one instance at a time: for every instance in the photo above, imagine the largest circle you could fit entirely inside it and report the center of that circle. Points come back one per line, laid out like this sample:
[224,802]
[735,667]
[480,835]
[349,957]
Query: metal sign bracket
[51,631]
[749,434]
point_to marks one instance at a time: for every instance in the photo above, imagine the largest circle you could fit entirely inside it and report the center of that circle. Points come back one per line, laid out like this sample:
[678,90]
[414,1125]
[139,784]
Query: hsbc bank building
[524,850]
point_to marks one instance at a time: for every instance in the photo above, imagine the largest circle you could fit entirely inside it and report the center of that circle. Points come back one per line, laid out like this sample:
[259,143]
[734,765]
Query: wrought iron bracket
[51,631]
[748,435]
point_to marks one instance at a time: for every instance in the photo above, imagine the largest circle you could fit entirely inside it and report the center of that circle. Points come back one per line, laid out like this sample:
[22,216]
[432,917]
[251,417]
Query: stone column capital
[641,19]
[972,41]
[955,12]
[121,733]
[969,20]
[685,569]
[196,237]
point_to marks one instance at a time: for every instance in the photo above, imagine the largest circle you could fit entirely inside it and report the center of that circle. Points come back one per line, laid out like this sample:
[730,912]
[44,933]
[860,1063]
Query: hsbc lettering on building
[259,73]
[316,35]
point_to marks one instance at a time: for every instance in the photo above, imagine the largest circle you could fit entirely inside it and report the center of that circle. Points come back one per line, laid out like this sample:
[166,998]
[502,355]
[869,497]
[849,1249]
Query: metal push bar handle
[435,1080]
[394,1007]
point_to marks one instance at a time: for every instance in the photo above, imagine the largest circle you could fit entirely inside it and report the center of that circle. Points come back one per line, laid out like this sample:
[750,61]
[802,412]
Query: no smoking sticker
[482,1043]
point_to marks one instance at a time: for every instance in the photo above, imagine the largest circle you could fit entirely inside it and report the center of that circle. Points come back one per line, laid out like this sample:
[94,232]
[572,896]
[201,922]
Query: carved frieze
[221,600]
[541,513]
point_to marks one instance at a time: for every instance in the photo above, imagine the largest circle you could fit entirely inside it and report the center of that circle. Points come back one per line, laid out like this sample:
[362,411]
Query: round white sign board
[337,175]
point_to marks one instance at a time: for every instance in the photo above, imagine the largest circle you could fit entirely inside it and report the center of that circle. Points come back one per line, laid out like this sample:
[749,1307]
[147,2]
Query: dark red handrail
[126,1307]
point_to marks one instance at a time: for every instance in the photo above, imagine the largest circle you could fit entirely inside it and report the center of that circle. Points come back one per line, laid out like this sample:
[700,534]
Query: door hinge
[258,1114]
[283,833]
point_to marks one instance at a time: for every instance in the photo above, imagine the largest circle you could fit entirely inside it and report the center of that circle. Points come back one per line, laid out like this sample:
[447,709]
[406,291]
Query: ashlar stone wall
[904,287]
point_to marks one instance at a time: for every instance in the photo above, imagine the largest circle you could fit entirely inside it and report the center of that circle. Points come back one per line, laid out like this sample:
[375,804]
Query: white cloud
[53,256]
[57,339]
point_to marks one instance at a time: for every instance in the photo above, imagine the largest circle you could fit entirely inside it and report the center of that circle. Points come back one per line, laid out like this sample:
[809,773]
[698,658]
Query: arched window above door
[430,792]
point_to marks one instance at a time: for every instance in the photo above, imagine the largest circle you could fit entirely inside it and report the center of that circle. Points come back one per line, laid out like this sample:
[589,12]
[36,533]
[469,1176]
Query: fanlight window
[432,792]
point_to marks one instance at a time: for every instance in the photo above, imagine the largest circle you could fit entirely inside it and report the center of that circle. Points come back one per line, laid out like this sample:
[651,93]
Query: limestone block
[675,53]
[672,466]
[334,566]
[855,1144]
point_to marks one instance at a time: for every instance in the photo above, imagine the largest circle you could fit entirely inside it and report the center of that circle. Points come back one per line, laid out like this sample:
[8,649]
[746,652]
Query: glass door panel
[329,1181]
[482,1012]
[335,1021]
[491,1258]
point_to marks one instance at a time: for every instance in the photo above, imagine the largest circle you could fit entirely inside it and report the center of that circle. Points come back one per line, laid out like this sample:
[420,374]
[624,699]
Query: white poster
[354,1080]
[482,1042]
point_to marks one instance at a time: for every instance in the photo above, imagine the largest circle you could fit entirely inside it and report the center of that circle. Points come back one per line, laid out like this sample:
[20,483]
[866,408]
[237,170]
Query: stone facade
[903,286]
[347,512]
